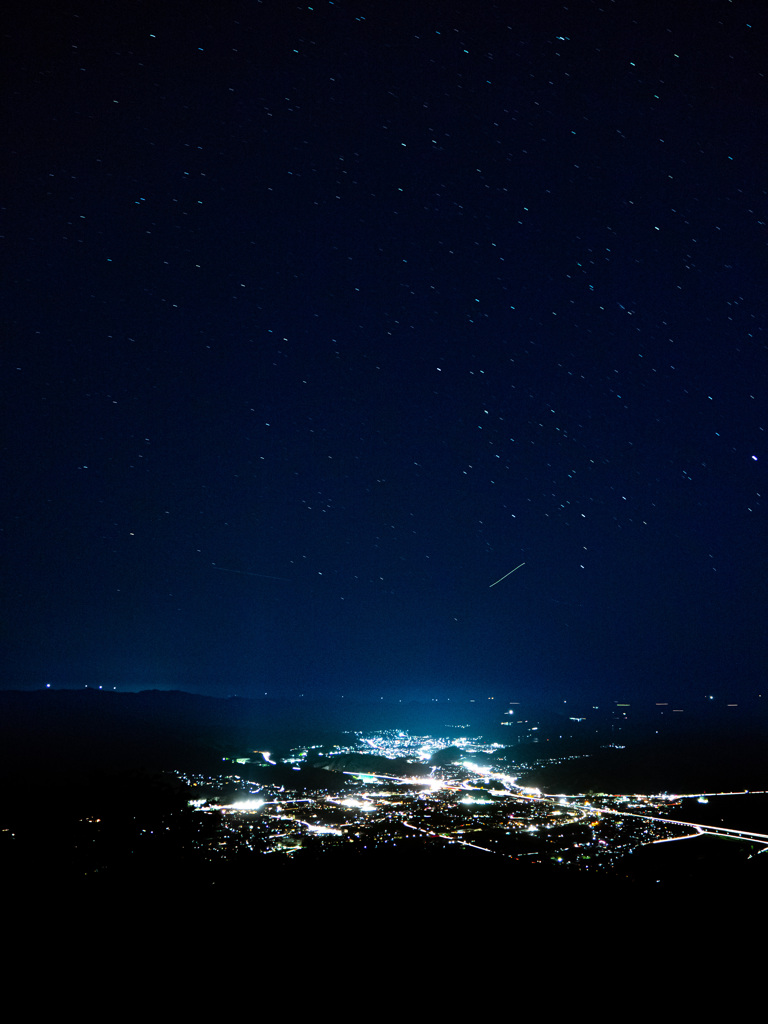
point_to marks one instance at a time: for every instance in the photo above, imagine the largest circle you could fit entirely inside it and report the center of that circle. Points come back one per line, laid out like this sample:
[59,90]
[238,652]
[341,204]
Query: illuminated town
[392,790]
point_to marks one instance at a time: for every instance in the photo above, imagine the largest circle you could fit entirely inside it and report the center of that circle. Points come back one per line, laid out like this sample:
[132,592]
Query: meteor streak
[508,574]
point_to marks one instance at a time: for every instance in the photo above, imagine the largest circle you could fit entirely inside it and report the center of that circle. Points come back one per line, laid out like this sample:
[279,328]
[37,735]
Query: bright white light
[362,805]
[247,805]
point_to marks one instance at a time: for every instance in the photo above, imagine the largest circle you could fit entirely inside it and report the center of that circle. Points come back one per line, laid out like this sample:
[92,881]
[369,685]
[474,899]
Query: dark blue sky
[320,319]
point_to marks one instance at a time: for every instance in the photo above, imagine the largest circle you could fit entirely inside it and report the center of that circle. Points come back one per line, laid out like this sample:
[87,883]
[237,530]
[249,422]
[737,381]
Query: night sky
[320,319]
